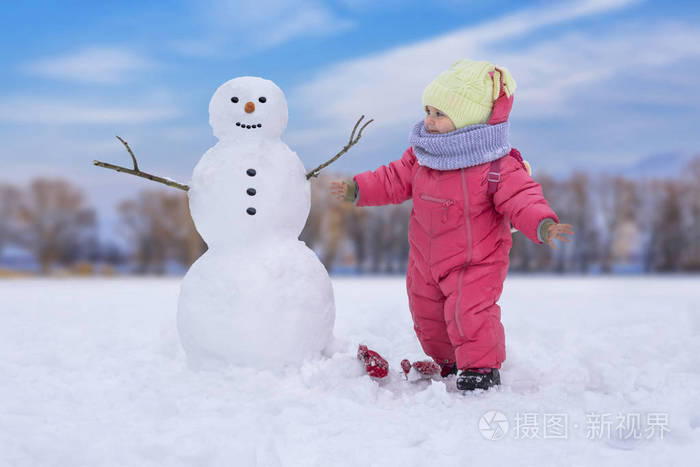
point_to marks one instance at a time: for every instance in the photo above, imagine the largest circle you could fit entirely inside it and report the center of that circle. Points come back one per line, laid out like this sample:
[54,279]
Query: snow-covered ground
[599,371]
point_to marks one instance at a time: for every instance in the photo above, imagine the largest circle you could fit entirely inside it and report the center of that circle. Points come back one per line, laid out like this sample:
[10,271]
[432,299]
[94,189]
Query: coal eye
[262,99]
[234,100]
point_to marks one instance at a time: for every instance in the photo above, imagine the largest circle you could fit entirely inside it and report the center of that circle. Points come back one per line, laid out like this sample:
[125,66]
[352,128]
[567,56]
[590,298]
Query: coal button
[251,191]
[251,172]
[250,211]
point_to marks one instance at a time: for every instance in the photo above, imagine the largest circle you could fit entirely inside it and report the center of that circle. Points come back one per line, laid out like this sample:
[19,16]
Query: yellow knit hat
[466,91]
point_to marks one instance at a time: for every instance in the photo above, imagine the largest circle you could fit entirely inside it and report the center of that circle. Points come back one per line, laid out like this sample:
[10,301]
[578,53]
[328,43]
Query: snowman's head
[248,109]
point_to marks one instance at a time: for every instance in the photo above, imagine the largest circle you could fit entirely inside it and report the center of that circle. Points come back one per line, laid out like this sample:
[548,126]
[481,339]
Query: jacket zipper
[459,298]
[410,302]
[413,187]
[468,225]
[415,176]
[469,253]
[446,203]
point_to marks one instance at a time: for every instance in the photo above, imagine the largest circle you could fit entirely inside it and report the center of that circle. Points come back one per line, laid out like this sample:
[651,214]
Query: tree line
[620,223]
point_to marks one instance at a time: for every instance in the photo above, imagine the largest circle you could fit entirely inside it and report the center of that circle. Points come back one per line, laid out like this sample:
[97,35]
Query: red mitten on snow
[375,365]
[424,367]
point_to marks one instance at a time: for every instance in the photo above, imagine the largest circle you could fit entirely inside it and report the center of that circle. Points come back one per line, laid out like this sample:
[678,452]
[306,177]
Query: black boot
[447,370]
[470,380]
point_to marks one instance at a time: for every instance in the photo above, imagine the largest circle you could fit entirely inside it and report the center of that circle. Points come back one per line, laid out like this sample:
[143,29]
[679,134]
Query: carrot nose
[249,107]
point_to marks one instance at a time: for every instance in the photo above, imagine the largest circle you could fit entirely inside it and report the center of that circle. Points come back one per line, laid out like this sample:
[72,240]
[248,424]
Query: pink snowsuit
[459,239]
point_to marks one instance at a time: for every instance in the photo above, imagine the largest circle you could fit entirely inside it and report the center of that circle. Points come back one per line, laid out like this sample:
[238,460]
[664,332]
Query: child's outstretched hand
[556,231]
[343,191]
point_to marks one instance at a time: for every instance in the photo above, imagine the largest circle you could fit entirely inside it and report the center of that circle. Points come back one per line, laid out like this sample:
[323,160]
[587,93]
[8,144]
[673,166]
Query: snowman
[258,296]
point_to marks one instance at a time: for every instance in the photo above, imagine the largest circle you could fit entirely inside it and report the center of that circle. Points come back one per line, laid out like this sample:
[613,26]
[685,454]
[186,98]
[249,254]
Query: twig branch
[139,173]
[353,140]
[133,158]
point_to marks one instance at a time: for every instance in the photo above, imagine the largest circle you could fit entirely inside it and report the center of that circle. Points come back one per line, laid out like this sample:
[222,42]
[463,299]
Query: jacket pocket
[444,213]
[444,203]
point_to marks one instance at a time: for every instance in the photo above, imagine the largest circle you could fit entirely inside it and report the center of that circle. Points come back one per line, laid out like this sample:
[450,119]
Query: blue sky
[601,83]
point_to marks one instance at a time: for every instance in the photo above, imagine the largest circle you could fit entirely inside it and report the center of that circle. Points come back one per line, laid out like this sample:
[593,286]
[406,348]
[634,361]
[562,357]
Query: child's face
[436,121]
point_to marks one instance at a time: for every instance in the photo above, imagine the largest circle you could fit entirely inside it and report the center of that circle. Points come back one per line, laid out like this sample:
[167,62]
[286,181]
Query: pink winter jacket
[454,222]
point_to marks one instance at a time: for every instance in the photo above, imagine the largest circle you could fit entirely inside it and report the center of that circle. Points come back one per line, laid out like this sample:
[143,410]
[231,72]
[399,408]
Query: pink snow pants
[458,319]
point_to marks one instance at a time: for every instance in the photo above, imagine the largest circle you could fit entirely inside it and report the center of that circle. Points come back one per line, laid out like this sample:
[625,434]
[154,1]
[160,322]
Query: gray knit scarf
[465,147]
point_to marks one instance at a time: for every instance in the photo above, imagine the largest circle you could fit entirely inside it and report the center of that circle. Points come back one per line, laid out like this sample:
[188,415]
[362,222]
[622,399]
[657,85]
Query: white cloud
[235,27]
[305,20]
[579,67]
[580,77]
[48,111]
[105,65]
[388,85]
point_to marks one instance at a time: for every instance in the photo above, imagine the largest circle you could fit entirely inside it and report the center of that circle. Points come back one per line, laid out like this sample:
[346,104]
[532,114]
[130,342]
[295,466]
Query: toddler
[467,185]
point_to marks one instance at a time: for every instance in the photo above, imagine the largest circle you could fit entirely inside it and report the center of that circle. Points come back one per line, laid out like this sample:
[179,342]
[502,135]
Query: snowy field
[599,371]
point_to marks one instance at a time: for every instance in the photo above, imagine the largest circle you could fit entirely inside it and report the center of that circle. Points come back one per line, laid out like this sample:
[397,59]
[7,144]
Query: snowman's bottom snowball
[265,305]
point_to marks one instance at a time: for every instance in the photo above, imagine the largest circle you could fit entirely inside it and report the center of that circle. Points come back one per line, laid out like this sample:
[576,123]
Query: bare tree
[691,201]
[184,244]
[312,232]
[617,204]
[579,213]
[9,203]
[649,192]
[391,234]
[54,221]
[356,228]
[324,228]
[521,254]
[379,230]
[141,229]
[667,228]
[544,258]
[400,217]
[333,233]
[159,227]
